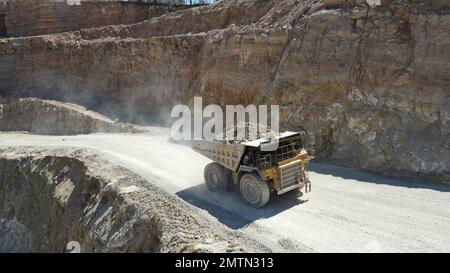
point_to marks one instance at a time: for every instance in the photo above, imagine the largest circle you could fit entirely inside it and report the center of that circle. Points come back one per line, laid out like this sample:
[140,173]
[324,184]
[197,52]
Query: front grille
[285,151]
[290,174]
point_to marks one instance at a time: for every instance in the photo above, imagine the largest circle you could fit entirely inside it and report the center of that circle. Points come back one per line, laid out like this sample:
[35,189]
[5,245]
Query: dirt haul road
[347,210]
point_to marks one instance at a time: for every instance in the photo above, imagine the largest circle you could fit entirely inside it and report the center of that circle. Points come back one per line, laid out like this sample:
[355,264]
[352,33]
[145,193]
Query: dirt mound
[57,197]
[57,118]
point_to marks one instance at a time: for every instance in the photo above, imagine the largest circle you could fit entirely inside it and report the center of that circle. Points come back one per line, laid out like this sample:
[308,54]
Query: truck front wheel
[254,190]
[216,177]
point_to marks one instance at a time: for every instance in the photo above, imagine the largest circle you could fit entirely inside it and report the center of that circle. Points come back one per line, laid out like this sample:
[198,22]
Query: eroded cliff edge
[51,197]
[369,84]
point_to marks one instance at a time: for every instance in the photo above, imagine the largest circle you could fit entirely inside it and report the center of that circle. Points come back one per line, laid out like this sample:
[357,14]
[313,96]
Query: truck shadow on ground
[363,176]
[231,210]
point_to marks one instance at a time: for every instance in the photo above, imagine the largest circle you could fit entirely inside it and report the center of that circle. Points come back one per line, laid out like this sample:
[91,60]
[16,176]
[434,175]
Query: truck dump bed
[228,155]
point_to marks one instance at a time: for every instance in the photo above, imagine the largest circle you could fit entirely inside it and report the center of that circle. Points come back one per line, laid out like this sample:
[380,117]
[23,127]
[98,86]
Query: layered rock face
[31,17]
[369,83]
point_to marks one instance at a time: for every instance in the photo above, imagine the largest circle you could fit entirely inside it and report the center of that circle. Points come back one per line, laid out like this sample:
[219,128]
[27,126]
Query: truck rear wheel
[216,177]
[254,190]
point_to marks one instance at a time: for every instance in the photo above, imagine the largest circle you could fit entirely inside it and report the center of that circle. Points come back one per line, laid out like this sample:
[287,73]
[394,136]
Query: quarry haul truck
[256,168]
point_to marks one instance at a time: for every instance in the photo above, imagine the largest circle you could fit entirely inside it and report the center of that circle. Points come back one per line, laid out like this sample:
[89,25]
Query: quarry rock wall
[55,202]
[369,84]
[36,17]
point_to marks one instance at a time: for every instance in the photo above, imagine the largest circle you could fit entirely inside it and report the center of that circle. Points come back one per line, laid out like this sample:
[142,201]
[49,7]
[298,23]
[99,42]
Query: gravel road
[347,210]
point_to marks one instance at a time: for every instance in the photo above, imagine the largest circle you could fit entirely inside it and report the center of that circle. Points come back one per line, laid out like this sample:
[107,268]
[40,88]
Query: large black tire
[254,190]
[217,178]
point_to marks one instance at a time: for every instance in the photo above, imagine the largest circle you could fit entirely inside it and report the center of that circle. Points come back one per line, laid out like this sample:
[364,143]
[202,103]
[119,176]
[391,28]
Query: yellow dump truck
[256,168]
